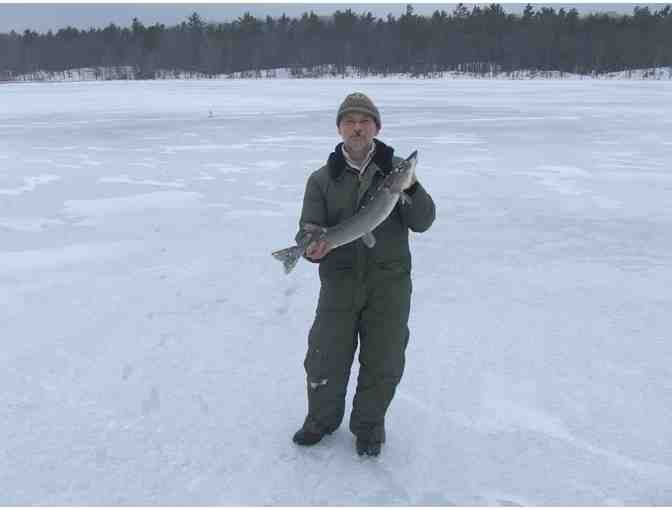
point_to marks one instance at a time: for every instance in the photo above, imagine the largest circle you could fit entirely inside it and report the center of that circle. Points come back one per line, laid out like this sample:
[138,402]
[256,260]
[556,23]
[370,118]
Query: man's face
[357,131]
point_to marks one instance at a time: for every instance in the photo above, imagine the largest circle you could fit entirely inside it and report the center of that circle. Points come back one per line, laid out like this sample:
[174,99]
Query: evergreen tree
[480,40]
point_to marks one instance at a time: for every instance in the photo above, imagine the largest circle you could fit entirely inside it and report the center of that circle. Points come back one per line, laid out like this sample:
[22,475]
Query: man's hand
[317,249]
[413,181]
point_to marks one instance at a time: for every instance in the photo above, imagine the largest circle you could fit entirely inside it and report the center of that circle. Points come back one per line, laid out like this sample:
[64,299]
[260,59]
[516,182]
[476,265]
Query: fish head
[401,176]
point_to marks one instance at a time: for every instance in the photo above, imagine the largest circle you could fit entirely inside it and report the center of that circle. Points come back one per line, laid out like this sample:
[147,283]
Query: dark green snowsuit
[365,293]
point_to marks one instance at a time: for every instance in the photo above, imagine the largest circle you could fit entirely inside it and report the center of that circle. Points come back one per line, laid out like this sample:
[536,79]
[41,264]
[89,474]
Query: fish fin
[406,199]
[369,240]
[289,257]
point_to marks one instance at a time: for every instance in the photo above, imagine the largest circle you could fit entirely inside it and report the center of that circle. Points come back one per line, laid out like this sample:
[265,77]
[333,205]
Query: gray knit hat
[358,103]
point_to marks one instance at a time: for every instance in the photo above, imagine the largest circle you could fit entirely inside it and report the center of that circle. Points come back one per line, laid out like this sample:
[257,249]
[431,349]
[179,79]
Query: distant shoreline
[130,73]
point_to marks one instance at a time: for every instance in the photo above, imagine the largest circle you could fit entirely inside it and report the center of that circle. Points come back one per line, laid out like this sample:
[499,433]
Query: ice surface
[152,348]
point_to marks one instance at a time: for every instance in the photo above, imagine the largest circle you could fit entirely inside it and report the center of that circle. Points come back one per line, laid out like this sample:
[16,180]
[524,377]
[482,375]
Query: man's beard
[359,141]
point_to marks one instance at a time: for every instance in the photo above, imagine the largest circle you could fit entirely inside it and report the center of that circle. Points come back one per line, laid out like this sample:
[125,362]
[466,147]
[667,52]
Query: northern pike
[362,224]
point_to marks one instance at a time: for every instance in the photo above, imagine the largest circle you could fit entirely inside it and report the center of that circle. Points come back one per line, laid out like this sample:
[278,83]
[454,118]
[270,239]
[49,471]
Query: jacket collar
[382,157]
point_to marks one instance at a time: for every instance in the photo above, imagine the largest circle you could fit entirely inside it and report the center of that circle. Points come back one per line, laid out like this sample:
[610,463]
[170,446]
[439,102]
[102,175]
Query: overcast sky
[43,17]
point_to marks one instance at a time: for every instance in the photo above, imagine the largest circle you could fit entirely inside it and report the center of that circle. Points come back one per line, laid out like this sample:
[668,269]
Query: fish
[361,225]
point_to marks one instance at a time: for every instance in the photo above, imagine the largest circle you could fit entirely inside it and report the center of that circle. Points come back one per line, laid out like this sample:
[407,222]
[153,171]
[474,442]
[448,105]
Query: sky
[52,16]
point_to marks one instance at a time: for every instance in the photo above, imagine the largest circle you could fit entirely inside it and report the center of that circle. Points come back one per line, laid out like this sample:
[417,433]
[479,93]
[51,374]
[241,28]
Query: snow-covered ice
[152,348]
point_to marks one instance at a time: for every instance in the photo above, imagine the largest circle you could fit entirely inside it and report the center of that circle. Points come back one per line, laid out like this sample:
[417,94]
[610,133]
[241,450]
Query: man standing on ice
[365,292]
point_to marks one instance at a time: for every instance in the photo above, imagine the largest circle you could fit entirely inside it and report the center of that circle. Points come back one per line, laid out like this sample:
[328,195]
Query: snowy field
[152,349]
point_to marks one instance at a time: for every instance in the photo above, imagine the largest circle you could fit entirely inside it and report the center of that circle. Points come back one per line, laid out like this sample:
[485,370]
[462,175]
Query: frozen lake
[151,348]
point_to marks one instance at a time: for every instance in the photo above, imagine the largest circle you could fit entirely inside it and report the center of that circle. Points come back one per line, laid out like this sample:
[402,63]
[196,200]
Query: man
[365,292]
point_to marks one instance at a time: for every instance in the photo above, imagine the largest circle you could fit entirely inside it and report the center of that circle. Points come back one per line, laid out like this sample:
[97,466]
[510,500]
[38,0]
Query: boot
[305,437]
[310,434]
[370,448]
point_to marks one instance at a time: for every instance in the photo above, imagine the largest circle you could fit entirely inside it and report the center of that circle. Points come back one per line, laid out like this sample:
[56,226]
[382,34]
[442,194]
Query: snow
[134,204]
[30,183]
[152,348]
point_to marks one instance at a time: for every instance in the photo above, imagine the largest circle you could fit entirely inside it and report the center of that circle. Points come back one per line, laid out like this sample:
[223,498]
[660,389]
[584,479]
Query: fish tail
[289,257]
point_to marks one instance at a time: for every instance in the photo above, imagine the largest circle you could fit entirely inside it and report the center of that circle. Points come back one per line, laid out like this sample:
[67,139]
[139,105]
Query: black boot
[310,434]
[305,437]
[370,448]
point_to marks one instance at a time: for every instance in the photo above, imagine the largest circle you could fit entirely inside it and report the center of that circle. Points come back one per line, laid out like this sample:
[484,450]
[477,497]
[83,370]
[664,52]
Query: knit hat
[358,103]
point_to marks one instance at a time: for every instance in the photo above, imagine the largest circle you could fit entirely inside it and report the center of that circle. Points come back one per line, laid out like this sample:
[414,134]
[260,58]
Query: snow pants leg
[332,343]
[384,334]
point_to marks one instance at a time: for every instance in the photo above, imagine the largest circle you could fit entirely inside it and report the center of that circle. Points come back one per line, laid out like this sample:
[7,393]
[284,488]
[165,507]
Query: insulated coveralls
[365,293]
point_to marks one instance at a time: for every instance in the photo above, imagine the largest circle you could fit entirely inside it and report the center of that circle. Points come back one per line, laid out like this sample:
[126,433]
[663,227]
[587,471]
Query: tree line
[465,39]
